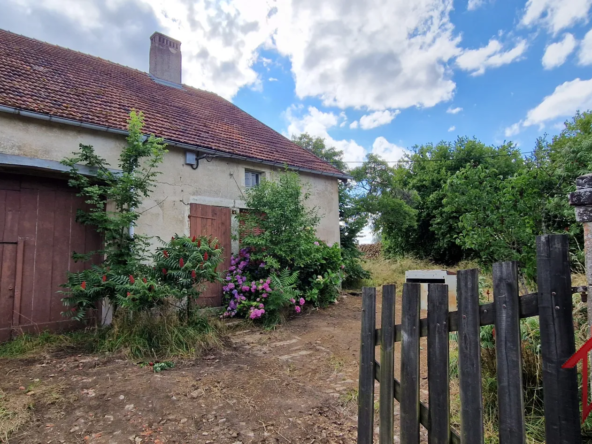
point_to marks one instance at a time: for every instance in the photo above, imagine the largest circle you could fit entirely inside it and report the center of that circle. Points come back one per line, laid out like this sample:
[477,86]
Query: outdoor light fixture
[192,158]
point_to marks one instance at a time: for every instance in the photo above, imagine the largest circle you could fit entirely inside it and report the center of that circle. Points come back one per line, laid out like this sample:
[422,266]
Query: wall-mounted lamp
[192,158]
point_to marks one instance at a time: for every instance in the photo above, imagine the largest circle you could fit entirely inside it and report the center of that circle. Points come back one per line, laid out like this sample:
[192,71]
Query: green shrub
[176,271]
[277,234]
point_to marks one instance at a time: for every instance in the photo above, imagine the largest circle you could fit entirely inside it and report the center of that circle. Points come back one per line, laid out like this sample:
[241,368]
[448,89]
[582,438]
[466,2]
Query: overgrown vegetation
[351,220]
[282,264]
[467,200]
[152,293]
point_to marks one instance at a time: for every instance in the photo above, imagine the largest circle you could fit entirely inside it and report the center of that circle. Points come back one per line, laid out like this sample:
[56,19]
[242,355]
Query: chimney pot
[165,58]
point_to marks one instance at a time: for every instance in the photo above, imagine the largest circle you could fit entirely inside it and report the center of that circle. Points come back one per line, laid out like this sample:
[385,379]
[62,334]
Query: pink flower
[292,301]
[301,301]
[316,243]
[297,308]
[261,305]
[264,295]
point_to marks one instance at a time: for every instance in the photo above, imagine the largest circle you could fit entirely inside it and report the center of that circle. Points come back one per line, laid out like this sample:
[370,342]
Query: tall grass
[143,335]
[161,336]
[392,271]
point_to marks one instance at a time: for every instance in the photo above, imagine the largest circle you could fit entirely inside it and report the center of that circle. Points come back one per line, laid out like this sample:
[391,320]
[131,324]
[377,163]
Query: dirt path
[293,385]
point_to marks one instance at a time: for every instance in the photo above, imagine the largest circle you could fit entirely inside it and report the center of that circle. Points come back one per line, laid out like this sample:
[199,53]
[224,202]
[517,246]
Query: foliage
[279,228]
[279,233]
[182,265]
[467,200]
[351,217]
[114,196]
[318,147]
[178,268]
[265,298]
[130,277]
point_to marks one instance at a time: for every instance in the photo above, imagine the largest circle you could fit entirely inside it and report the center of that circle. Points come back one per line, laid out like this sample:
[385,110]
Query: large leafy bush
[282,264]
[174,276]
[130,276]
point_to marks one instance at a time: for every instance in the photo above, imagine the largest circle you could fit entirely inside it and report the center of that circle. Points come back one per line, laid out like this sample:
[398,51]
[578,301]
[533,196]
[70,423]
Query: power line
[435,160]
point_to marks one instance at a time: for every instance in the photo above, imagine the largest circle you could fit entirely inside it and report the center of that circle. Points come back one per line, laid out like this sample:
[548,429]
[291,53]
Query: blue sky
[368,75]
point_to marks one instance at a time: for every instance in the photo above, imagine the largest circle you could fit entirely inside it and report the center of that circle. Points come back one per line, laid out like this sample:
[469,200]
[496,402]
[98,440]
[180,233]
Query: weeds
[160,336]
[14,413]
[143,335]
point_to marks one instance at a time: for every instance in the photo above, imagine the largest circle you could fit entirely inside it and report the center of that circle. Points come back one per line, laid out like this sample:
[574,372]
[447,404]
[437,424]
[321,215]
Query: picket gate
[552,303]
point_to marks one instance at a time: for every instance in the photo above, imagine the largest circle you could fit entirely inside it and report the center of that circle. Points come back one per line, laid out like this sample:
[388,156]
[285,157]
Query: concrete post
[581,199]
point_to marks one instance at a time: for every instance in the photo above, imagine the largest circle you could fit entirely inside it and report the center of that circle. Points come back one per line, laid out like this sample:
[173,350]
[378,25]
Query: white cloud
[585,52]
[563,102]
[378,118]
[317,123]
[220,40]
[452,128]
[490,56]
[386,150]
[273,79]
[375,54]
[556,15]
[354,124]
[556,53]
[512,130]
[475,4]
[456,110]
[567,98]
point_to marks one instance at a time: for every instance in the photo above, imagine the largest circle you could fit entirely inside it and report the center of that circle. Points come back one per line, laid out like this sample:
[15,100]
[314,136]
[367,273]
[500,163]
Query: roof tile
[44,78]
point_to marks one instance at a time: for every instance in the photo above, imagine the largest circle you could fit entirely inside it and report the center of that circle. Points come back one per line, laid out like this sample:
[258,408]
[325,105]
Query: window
[252,178]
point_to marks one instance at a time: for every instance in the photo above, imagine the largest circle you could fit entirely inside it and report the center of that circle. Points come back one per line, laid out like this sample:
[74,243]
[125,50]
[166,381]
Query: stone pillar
[581,199]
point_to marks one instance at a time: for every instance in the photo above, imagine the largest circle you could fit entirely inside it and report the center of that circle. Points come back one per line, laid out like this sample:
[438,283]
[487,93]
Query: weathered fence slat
[410,364]
[366,383]
[528,308]
[438,365]
[424,411]
[560,386]
[507,345]
[387,366]
[469,356]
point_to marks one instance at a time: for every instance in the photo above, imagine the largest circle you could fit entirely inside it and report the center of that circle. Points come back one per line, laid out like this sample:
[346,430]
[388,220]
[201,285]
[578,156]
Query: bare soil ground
[296,384]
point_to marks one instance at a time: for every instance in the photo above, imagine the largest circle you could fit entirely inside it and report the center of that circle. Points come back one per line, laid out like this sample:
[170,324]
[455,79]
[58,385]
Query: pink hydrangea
[297,308]
[301,301]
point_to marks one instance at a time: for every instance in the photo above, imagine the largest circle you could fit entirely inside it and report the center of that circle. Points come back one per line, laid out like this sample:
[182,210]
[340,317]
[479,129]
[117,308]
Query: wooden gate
[207,220]
[38,234]
[553,305]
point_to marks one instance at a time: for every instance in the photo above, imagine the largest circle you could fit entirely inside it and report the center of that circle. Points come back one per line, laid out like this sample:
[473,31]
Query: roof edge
[103,128]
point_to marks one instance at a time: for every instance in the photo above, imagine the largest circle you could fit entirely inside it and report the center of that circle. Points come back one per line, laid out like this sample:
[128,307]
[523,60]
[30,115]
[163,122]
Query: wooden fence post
[469,357]
[409,403]
[438,364]
[366,383]
[508,350]
[387,366]
[560,386]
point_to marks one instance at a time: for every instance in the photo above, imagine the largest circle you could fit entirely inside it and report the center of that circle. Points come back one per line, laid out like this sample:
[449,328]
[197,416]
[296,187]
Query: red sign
[582,355]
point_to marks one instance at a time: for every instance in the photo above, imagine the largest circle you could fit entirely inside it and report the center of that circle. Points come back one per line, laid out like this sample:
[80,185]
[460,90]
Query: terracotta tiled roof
[47,79]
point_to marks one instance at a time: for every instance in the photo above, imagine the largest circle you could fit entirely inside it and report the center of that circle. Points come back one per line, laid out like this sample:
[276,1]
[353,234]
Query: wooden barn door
[207,220]
[38,233]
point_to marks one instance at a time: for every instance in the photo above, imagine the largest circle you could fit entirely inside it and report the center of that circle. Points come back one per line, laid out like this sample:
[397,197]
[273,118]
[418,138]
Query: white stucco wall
[219,182]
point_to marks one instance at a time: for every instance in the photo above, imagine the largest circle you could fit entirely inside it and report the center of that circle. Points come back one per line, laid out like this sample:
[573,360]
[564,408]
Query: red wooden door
[38,233]
[207,220]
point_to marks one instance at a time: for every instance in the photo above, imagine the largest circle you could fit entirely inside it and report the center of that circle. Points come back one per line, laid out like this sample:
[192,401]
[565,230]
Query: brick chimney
[165,58]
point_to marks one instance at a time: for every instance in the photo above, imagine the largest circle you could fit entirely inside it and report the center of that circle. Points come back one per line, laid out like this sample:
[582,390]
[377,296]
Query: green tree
[129,276]
[352,218]
[114,196]
[318,147]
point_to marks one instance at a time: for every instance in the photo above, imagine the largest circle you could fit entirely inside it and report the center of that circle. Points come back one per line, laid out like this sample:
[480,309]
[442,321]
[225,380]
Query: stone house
[52,99]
